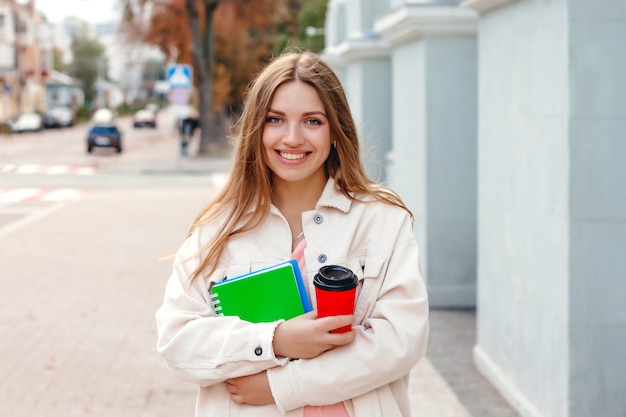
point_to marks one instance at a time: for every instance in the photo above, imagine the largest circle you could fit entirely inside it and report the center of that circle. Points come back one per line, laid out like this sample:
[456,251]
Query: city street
[84,241]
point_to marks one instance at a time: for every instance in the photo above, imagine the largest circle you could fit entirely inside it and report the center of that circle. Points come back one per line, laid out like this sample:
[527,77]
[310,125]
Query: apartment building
[25,58]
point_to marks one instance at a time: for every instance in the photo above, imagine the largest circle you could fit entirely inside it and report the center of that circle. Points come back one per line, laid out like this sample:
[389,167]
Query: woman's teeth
[292,156]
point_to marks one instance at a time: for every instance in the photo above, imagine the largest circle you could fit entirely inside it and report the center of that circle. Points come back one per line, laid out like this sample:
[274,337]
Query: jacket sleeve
[389,341]
[199,346]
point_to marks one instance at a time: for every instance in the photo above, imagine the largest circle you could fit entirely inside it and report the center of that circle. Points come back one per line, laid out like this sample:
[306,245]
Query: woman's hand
[306,336]
[302,337]
[250,389]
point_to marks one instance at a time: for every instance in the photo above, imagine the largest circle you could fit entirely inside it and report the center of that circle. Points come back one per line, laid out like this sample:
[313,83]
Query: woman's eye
[272,119]
[315,122]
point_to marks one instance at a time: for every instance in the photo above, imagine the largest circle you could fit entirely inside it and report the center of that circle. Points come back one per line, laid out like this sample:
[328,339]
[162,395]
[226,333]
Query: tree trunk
[202,53]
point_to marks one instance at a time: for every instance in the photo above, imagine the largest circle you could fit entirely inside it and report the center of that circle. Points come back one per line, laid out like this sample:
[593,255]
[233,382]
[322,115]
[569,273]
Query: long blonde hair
[245,199]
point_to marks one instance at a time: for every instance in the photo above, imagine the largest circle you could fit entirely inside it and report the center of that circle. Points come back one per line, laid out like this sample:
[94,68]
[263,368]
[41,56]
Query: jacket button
[258,351]
[322,258]
[318,218]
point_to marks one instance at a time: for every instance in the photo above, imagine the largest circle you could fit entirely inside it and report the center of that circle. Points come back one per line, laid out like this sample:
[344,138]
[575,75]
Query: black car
[104,136]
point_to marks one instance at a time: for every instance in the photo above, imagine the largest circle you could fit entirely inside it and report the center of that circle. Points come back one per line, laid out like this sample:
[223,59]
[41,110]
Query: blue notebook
[269,294]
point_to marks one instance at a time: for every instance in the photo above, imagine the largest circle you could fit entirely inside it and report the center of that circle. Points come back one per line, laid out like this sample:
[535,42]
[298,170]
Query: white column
[361,59]
[433,158]
[552,205]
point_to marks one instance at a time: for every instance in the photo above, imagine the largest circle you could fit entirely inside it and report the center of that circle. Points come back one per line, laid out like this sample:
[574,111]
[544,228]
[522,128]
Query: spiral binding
[215,301]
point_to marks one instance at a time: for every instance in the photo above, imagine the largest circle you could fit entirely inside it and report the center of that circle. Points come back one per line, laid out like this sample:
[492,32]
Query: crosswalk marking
[9,196]
[62,194]
[46,169]
[17,195]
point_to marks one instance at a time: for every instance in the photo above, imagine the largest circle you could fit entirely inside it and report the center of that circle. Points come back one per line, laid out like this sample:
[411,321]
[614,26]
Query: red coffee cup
[335,290]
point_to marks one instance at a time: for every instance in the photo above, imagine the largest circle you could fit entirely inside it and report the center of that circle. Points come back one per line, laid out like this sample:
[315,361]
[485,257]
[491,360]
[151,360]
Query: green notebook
[266,295]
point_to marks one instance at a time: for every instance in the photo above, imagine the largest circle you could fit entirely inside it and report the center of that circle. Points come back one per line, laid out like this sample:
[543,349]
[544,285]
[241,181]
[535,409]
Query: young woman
[298,189]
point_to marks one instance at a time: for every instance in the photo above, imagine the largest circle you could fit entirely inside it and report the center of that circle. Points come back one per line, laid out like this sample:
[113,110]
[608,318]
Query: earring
[334,144]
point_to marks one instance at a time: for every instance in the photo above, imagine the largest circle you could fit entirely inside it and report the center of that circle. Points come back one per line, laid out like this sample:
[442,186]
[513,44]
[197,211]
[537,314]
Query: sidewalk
[452,338]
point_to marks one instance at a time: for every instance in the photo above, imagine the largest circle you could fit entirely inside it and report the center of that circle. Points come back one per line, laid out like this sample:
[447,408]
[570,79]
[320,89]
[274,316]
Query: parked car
[153,107]
[27,122]
[104,135]
[58,117]
[145,117]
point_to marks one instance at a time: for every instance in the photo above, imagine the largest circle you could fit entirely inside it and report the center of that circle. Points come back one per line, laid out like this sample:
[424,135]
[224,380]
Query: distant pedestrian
[188,126]
[298,189]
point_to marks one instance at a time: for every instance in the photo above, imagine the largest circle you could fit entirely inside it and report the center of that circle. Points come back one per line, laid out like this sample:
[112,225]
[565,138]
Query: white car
[143,118]
[27,122]
[58,117]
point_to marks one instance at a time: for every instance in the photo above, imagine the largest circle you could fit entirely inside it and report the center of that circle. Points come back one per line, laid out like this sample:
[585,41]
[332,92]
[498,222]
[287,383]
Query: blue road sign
[179,76]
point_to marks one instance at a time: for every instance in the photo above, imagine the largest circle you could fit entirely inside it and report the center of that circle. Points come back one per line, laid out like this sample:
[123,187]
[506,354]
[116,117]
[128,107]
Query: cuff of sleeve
[286,387]
[261,348]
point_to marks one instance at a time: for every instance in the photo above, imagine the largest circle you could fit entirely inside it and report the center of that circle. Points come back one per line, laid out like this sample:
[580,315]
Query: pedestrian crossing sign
[179,76]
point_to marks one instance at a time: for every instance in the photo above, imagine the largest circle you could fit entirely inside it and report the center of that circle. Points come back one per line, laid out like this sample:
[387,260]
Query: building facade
[501,124]
[25,58]
[28,81]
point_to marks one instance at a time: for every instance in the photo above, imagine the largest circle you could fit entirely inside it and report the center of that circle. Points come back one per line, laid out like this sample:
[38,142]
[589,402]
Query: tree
[57,60]
[89,62]
[227,41]
[203,55]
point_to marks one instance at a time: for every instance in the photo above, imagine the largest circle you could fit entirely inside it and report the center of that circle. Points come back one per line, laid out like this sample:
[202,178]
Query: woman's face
[296,135]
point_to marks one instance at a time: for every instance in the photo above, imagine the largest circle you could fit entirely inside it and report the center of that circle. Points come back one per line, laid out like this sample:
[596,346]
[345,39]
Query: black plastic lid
[335,278]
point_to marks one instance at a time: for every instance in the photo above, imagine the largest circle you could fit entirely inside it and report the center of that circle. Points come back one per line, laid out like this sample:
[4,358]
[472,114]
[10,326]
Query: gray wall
[451,170]
[597,262]
[523,199]
[407,162]
[433,159]
[548,173]
[552,206]
[368,86]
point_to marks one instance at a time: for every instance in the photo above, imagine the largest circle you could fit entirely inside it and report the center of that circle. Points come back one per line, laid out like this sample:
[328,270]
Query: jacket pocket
[370,271]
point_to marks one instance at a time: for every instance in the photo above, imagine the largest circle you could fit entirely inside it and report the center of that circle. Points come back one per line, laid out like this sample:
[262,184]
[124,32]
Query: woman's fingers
[334,322]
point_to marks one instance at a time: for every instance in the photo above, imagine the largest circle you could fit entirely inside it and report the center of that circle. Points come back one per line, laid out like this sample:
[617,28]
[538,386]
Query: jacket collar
[332,197]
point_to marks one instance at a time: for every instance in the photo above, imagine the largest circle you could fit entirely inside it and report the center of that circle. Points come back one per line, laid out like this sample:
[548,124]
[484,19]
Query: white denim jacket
[370,375]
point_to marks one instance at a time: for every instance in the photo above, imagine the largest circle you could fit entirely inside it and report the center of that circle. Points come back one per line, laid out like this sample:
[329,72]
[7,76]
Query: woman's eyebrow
[311,113]
[308,113]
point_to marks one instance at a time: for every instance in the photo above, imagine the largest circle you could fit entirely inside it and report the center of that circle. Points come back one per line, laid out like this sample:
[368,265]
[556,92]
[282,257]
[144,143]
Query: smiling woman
[298,190]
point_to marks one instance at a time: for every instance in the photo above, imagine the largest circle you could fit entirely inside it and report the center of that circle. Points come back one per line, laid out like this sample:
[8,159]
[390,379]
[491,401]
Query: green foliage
[126,109]
[311,14]
[57,59]
[82,114]
[89,61]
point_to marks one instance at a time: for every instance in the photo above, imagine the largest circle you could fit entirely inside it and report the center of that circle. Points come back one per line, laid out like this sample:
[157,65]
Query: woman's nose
[293,135]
